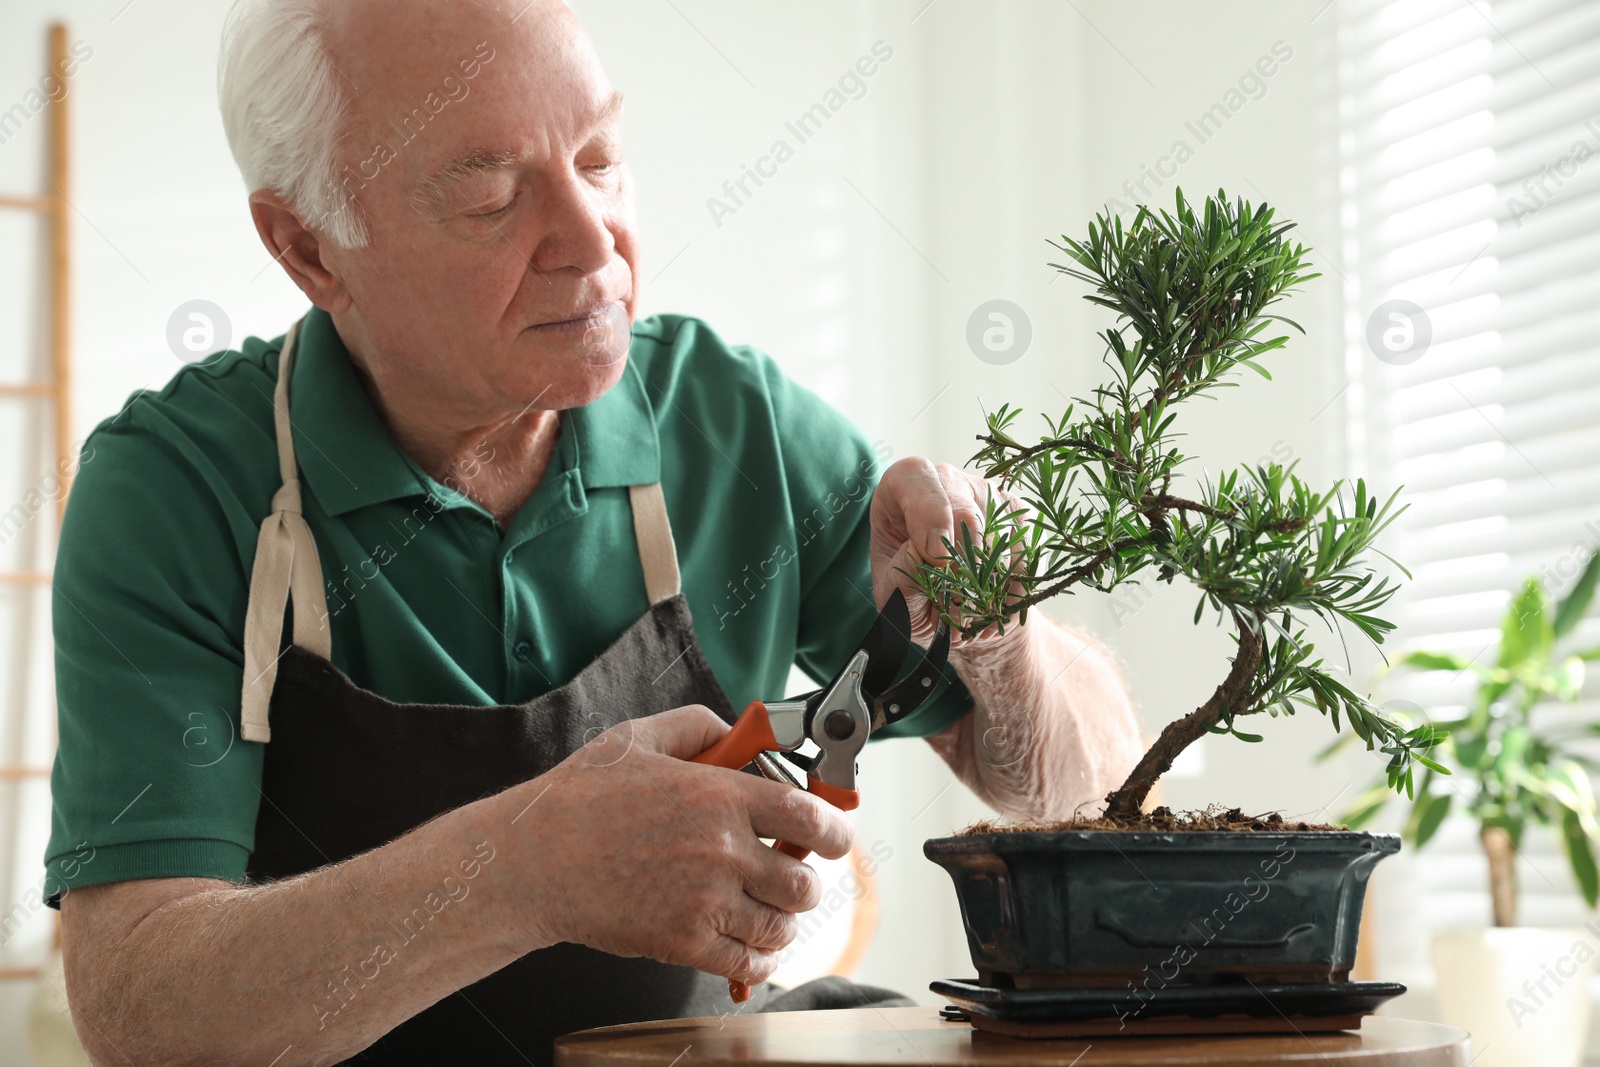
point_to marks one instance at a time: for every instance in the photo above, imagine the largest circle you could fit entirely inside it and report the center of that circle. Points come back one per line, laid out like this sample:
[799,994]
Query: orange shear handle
[738,748]
[750,736]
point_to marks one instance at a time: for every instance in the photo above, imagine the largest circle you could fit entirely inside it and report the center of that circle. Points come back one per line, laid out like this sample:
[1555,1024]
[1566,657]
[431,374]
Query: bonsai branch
[1126,802]
[1167,502]
[1173,387]
[1078,574]
[1094,563]
[1021,453]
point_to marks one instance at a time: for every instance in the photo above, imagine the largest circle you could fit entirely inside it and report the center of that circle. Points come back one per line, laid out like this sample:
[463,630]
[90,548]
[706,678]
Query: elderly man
[377,677]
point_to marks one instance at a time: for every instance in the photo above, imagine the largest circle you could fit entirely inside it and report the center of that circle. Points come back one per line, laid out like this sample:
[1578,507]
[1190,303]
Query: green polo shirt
[431,600]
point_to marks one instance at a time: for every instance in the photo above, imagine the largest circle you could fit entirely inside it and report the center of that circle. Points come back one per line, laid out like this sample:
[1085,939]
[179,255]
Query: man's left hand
[917,505]
[1052,726]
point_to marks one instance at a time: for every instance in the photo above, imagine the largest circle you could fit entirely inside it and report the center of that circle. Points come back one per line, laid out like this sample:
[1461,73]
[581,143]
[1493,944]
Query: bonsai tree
[1517,767]
[1104,503]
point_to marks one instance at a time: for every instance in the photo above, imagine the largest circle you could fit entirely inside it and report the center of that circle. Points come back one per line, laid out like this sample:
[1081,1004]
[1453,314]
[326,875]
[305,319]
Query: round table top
[861,1036]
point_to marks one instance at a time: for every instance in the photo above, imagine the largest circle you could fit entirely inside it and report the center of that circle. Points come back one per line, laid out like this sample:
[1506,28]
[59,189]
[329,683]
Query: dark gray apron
[347,771]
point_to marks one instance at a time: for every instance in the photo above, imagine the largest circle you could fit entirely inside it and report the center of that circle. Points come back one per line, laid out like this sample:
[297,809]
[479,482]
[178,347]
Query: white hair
[283,107]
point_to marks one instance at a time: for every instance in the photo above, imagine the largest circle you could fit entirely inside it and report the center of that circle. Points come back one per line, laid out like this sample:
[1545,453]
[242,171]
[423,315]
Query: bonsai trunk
[1125,803]
[1502,874]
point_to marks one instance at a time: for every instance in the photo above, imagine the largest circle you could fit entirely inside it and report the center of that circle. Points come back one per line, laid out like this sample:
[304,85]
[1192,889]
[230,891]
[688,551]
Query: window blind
[1469,191]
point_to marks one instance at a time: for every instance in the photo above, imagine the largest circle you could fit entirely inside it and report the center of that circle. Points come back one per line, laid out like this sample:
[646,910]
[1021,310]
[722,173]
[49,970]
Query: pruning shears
[872,690]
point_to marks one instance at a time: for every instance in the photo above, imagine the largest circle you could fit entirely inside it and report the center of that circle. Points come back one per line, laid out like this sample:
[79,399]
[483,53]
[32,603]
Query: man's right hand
[633,850]
[625,846]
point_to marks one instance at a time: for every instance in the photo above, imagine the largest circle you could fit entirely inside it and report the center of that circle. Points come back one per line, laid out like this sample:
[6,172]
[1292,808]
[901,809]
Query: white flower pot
[1523,993]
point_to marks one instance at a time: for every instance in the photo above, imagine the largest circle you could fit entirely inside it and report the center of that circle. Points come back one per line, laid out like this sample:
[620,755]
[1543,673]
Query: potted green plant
[1522,991]
[1156,902]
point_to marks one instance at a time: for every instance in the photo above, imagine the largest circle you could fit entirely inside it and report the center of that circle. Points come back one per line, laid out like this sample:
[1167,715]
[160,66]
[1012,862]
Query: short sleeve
[831,471]
[150,779]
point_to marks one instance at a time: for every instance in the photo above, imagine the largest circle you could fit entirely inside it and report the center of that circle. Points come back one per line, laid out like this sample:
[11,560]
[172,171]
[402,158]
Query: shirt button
[522,650]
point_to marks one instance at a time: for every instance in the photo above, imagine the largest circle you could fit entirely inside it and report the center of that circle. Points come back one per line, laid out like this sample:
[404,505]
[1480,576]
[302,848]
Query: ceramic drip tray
[1217,1009]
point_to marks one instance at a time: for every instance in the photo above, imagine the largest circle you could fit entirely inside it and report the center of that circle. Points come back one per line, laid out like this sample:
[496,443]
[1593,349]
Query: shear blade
[887,644]
[923,681]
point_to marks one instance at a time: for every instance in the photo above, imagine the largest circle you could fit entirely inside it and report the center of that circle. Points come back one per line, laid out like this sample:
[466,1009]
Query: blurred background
[1434,154]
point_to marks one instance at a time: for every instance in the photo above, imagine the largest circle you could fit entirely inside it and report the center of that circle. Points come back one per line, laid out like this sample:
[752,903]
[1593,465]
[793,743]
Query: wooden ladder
[56,209]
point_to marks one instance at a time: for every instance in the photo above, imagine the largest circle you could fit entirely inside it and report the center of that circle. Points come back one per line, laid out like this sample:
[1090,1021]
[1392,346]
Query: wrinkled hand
[917,504]
[632,850]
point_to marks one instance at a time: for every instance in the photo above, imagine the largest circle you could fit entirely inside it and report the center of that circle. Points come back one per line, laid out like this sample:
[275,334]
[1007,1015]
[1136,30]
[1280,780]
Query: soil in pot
[1160,820]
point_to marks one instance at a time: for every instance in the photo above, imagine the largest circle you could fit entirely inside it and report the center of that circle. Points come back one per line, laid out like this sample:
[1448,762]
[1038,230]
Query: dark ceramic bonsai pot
[1202,908]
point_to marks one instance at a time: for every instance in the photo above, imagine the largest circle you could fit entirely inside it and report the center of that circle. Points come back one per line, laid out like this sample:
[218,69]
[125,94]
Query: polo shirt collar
[349,459]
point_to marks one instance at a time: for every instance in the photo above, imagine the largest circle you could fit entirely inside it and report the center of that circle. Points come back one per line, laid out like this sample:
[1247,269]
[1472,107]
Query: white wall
[996,125]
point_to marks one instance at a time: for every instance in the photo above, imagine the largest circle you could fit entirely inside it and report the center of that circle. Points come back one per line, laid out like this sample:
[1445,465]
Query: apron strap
[652,530]
[286,564]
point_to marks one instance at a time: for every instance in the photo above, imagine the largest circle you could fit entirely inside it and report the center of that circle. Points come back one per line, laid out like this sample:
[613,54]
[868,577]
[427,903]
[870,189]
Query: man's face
[485,154]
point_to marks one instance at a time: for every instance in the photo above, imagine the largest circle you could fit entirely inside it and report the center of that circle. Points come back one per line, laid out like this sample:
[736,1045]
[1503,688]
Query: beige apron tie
[653,531]
[286,564]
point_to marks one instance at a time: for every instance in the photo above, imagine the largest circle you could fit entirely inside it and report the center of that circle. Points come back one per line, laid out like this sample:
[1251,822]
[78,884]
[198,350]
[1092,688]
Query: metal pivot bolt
[839,724]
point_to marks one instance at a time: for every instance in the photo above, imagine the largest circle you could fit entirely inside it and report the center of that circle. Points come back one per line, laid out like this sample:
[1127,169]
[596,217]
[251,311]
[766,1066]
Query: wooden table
[919,1037]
